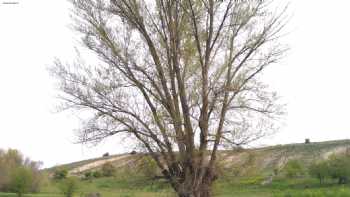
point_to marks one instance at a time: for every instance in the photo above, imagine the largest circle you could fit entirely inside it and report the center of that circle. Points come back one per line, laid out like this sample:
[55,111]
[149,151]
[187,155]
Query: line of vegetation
[18,174]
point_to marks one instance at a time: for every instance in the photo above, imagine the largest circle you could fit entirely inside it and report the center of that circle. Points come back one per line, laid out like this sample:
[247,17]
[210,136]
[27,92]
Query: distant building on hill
[105,155]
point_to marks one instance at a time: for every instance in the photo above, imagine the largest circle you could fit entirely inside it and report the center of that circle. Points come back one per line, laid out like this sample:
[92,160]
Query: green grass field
[114,187]
[130,183]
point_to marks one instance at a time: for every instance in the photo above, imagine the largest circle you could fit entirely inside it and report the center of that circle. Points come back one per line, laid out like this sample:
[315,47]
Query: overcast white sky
[313,79]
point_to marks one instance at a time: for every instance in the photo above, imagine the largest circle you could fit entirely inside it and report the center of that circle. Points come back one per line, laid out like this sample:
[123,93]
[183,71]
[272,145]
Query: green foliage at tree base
[21,179]
[69,186]
[18,174]
[336,167]
[293,168]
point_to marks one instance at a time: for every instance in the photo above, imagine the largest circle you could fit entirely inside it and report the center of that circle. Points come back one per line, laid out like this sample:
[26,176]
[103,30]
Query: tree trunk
[204,190]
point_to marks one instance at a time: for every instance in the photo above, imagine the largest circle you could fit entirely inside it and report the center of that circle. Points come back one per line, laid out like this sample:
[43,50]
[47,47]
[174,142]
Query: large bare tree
[180,76]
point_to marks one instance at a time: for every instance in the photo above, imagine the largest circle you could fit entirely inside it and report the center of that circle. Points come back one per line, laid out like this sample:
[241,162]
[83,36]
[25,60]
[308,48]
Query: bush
[60,174]
[21,180]
[293,168]
[88,175]
[37,175]
[96,174]
[148,167]
[108,169]
[69,186]
[339,168]
[336,167]
[320,170]
[12,165]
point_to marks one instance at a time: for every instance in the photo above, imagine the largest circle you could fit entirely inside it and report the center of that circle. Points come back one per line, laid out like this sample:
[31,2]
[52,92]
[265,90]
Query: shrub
[69,186]
[293,168]
[339,168]
[37,175]
[21,180]
[336,167]
[148,167]
[88,175]
[319,170]
[108,169]
[96,174]
[13,163]
[60,174]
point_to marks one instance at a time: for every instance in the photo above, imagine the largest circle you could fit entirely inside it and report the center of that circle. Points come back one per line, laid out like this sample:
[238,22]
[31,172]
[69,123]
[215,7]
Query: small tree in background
[21,180]
[12,165]
[319,170]
[339,168]
[293,168]
[69,186]
[108,169]
[88,175]
[148,167]
[60,174]
[37,175]
[96,174]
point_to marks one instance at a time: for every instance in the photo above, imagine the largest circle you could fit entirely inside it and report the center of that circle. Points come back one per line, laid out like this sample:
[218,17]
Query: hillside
[260,161]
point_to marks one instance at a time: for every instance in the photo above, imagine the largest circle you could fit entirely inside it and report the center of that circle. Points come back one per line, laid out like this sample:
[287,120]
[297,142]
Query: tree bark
[203,191]
[199,188]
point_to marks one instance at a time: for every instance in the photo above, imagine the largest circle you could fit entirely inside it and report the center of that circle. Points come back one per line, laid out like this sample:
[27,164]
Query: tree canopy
[17,173]
[181,77]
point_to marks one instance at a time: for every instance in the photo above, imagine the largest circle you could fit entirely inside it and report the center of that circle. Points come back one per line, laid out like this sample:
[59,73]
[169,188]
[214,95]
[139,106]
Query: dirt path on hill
[99,163]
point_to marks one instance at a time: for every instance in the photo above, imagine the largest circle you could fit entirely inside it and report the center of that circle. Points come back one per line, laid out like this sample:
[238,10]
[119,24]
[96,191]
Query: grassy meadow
[120,187]
[241,175]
